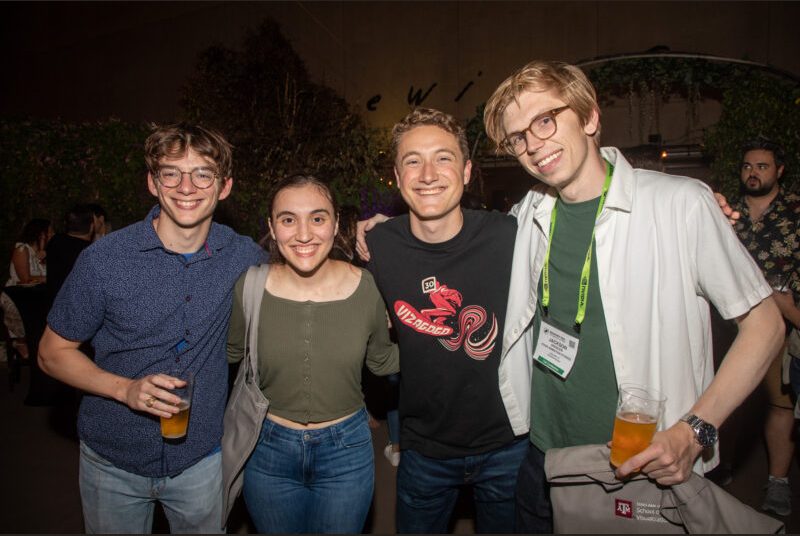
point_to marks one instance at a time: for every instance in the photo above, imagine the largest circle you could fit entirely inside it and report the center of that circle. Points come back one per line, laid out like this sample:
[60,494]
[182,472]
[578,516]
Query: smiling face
[304,225]
[186,207]
[760,174]
[431,173]
[568,160]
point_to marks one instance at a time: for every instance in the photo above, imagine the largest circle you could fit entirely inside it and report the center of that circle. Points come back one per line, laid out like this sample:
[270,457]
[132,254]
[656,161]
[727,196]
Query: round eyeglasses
[171,176]
[543,127]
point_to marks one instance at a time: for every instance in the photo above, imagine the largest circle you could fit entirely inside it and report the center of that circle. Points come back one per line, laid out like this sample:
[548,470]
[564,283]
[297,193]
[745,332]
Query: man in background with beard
[770,230]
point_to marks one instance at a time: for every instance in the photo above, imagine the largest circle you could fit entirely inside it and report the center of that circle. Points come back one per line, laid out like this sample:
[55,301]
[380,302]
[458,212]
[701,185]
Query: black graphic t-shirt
[447,303]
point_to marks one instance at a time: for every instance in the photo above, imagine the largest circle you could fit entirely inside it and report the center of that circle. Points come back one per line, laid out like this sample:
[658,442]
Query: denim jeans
[427,489]
[317,481]
[116,501]
[534,511]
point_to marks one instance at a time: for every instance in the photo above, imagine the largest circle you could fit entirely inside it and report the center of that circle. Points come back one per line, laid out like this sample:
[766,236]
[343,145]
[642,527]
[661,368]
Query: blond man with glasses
[625,262]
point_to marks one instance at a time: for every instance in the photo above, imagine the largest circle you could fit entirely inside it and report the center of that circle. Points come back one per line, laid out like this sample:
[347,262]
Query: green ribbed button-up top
[311,353]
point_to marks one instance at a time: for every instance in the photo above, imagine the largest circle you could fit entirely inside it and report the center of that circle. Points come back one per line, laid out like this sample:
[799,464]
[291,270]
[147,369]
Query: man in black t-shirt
[444,274]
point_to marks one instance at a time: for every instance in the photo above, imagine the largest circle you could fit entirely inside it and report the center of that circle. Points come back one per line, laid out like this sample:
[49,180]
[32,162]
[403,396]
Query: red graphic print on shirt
[455,327]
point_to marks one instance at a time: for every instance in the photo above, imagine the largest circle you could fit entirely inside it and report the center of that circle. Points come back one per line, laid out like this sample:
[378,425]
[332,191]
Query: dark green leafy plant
[280,122]
[46,166]
[755,106]
[755,101]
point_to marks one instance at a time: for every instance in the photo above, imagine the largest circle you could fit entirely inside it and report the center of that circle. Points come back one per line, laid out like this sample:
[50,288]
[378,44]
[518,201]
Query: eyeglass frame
[191,177]
[552,113]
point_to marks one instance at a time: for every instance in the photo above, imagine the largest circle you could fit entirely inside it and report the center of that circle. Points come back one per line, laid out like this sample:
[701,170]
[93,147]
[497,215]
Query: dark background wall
[87,60]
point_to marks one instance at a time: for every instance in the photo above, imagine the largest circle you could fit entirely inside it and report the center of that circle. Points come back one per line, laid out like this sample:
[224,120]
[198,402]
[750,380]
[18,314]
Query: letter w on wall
[417,98]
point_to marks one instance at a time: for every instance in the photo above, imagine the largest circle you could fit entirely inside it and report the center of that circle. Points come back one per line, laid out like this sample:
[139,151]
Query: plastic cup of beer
[175,427]
[638,412]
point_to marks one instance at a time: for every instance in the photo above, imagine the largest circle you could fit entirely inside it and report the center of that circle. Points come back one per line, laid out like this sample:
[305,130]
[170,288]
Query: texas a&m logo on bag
[623,508]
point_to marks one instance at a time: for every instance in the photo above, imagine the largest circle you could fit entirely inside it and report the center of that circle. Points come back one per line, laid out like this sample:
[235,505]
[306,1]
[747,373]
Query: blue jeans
[534,511]
[116,501]
[427,489]
[318,481]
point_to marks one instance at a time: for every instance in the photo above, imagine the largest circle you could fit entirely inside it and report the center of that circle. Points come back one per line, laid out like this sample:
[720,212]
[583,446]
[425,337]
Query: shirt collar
[218,236]
[620,193]
[779,203]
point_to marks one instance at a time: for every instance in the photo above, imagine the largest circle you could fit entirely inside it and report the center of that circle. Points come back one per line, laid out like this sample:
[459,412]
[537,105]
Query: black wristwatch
[704,433]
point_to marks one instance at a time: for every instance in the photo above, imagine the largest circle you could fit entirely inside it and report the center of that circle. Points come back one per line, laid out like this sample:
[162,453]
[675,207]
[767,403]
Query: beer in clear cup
[639,409]
[175,427]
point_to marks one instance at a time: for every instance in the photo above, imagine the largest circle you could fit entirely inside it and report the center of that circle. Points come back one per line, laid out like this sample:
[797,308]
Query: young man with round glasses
[153,298]
[624,263]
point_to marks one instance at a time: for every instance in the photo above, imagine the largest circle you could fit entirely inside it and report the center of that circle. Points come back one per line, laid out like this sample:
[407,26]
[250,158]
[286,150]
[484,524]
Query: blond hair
[568,81]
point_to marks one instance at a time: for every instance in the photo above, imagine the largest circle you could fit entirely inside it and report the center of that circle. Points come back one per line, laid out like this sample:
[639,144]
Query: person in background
[28,264]
[63,250]
[312,470]
[28,267]
[154,297]
[769,228]
[101,226]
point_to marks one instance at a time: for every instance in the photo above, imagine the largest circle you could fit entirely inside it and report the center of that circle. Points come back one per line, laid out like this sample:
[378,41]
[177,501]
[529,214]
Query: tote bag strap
[253,293]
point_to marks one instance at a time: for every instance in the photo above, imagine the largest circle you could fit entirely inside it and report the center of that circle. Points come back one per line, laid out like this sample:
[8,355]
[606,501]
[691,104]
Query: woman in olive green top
[312,470]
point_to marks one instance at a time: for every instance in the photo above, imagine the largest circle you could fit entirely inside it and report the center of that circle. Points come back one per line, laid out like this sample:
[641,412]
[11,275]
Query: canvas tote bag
[587,498]
[247,405]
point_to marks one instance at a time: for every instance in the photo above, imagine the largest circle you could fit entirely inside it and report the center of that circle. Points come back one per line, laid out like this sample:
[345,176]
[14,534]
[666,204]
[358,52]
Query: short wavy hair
[569,81]
[173,141]
[430,117]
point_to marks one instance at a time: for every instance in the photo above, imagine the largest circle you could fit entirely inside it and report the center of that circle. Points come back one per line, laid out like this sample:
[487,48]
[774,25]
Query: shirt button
[187,332]
[306,379]
[188,298]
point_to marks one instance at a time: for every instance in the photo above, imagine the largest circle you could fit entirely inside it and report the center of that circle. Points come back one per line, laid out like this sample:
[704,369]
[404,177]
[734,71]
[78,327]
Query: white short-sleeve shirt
[664,251]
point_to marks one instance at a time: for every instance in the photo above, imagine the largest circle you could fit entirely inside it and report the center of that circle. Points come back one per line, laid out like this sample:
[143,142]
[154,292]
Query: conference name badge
[556,349]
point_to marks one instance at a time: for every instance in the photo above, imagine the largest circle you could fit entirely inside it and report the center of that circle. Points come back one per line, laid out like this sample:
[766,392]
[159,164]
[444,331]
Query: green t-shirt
[580,409]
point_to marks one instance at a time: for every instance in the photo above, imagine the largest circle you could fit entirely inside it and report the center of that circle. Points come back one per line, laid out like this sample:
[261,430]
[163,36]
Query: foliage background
[281,122]
[46,166]
[260,96]
[755,102]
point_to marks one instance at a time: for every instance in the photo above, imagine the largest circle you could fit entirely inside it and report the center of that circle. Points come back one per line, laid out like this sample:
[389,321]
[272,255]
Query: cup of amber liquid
[175,427]
[639,409]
